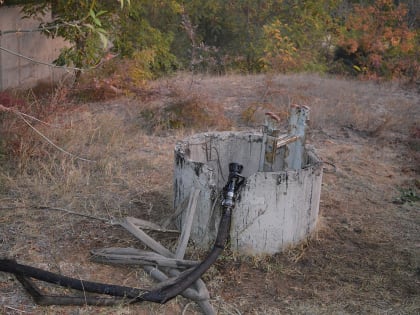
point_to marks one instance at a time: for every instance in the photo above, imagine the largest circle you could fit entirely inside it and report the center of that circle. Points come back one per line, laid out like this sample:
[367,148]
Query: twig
[39,62]
[11,109]
[177,212]
[218,163]
[39,29]
[133,256]
[72,212]
[52,143]
[36,119]
[147,225]
[12,207]
[14,309]
[21,115]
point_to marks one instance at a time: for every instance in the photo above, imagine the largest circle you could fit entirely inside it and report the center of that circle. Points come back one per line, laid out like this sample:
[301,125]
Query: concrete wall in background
[17,72]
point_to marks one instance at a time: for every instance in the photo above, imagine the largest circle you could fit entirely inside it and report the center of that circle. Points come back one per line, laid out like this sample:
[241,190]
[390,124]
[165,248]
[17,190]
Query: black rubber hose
[161,295]
[9,265]
[164,294]
[42,299]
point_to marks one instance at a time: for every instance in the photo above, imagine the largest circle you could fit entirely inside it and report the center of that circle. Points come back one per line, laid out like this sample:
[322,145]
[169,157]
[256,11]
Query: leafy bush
[300,38]
[378,43]
[375,39]
[135,37]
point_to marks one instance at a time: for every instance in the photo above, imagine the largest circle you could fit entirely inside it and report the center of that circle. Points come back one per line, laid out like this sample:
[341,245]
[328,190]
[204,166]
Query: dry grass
[184,109]
[364,258]
[363,106]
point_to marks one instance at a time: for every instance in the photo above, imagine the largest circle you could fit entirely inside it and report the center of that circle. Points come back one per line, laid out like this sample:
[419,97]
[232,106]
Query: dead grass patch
[363,258]
[185,110]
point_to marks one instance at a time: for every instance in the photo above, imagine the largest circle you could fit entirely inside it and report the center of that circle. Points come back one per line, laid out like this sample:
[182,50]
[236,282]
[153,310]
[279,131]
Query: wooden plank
[201,295]
[186,229]
[177,212]
[133,256]
[147,225]
[146,239]
[285,141]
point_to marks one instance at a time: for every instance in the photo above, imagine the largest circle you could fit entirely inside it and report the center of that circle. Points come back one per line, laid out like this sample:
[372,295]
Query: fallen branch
[21,116]
[72,212]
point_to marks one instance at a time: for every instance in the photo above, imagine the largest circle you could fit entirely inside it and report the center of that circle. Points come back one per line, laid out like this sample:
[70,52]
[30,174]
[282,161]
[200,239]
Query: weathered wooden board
[186,229]
[133,256]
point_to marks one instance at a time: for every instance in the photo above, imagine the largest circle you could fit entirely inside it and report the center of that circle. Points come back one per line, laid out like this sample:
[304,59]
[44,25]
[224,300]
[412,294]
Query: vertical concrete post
[269,144]
[297,127]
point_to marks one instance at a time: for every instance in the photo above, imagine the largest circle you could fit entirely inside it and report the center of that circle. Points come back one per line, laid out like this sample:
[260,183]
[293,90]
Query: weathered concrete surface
[202,161]
[297,127]
[16,72]
[275,208]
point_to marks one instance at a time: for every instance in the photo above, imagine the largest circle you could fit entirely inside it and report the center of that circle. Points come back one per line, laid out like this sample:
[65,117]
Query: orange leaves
[375,60]
[379,39]
[352,46]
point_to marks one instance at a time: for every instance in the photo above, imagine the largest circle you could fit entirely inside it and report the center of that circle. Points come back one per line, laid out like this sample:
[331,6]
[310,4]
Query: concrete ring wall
[275,209]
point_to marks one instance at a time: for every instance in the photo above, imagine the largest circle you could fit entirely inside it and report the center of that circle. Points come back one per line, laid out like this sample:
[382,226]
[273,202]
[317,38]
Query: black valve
[235,168]
[235,180]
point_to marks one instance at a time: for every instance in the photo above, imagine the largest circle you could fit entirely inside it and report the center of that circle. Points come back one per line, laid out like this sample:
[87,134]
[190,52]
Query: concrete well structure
[279,202]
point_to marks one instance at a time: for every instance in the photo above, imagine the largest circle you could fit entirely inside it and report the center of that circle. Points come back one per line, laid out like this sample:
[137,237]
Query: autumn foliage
[371,39]
[378,42]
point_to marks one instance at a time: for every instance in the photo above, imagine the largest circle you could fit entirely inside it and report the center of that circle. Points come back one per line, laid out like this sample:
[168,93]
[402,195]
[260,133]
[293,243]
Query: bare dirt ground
[363,259]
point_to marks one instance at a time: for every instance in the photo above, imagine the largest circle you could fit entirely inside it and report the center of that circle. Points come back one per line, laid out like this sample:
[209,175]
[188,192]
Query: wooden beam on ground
[200,294]
[146,239]
[147,225]
[186,229]
[133,256]
[177,212]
